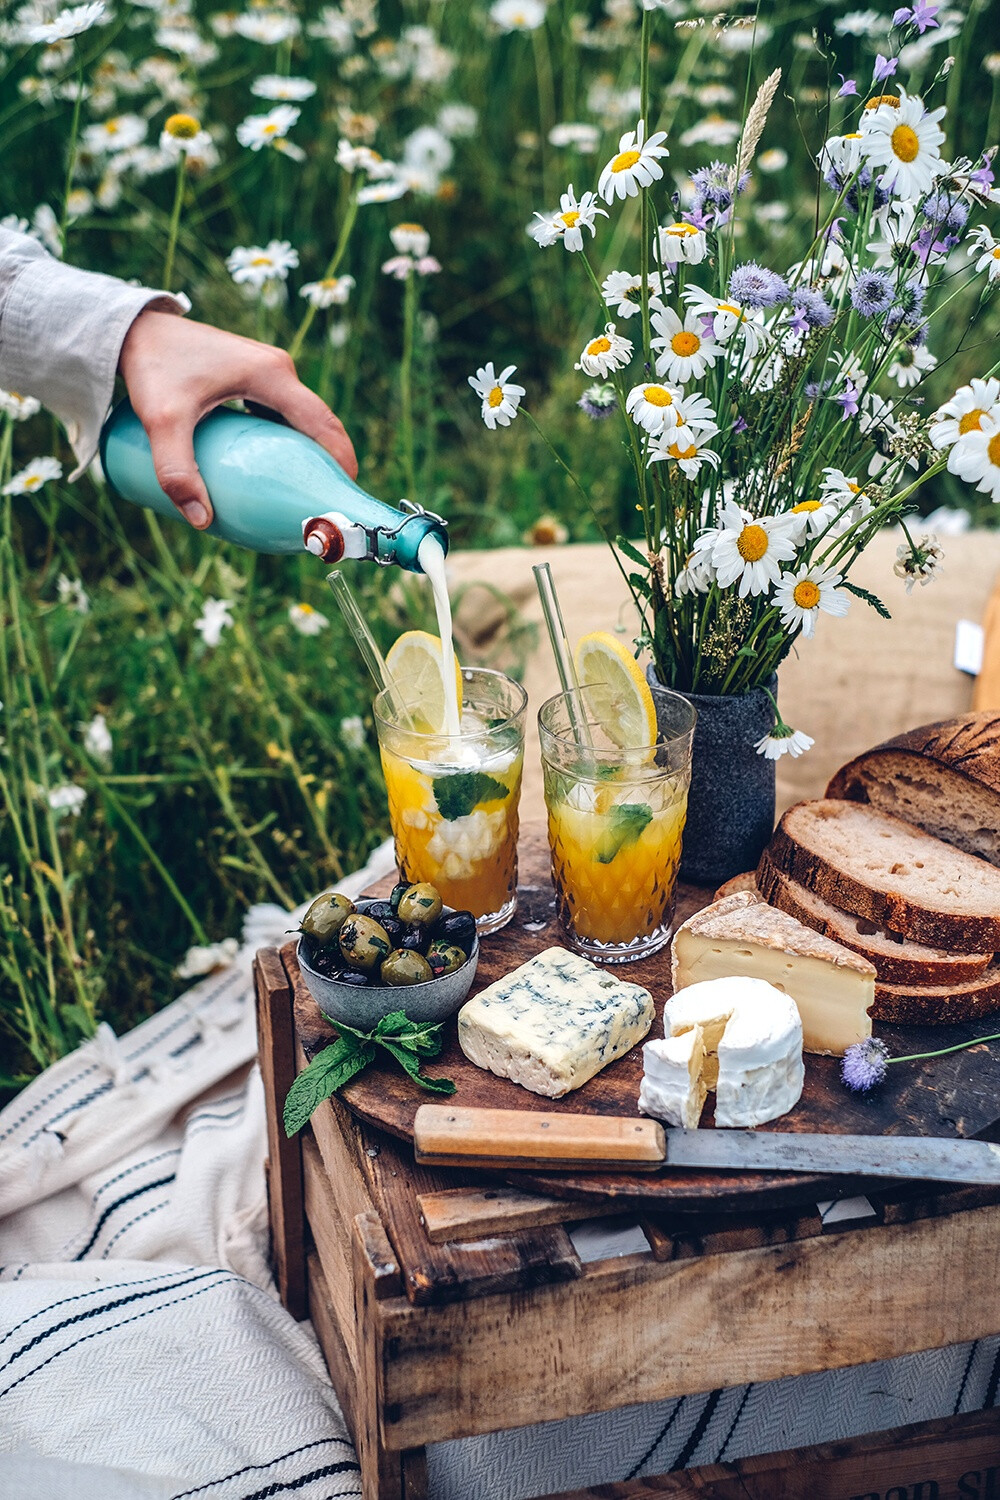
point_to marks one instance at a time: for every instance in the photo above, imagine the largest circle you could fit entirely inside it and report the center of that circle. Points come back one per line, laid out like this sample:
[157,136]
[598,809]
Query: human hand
[177,370]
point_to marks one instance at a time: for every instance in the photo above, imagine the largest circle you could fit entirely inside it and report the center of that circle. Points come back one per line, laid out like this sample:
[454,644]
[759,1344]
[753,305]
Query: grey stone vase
[730,815]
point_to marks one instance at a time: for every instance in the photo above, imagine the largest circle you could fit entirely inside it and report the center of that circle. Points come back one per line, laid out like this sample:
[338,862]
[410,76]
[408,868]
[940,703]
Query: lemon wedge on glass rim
[618,693]
[415,663]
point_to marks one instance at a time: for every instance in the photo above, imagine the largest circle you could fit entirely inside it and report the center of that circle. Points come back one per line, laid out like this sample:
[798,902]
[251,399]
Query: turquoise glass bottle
[272,489]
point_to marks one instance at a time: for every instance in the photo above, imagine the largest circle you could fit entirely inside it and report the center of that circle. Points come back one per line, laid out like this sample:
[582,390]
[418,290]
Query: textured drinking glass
[453,798]
[615,823]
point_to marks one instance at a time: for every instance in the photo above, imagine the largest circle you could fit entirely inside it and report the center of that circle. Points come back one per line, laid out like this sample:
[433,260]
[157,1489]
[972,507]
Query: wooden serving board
[947,1096]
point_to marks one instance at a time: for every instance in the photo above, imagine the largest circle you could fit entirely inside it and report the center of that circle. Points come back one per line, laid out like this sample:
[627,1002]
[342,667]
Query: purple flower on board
[884,67]
[847,87]
[872,293]
[848,401]
[865,1065]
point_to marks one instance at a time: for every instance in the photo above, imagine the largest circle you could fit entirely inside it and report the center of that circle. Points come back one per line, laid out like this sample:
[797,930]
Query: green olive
[326,917]
[420,904]
[364,942]
[403,967]
[444,957]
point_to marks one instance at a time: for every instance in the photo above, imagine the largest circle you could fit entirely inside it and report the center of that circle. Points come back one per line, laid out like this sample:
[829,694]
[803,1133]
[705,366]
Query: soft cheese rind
[553,1023]
[673,1085]
[752,1038]
[833,987]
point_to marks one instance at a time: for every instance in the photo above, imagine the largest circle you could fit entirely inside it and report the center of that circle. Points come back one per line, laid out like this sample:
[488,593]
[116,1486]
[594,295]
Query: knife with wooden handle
[447,1135]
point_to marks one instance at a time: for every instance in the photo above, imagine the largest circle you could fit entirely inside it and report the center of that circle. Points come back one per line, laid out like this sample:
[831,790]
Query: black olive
[458,927]
[397,893]
[326,916]
[414,940]
[352,977]
[379,910]
[394,928]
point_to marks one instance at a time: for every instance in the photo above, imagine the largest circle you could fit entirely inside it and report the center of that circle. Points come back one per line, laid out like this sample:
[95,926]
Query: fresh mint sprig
[409,1042]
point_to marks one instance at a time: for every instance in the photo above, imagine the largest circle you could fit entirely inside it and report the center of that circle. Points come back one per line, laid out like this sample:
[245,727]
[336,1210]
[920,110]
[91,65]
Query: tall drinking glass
[453,799]
[615,823]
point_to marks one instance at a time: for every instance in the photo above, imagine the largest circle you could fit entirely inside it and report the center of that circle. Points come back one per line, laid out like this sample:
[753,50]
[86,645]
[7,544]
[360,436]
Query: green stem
[295,346]
[175,223]
[74,132]
[994,1036]
[406,383]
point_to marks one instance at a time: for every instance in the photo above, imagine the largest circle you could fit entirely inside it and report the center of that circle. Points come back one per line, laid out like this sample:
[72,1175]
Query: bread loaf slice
[938,1005]
[897,960]
[736,884]
[881,868]
[943,777]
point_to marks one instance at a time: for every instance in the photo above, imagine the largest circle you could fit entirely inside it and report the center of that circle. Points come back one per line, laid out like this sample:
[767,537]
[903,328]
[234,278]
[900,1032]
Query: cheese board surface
[958,1095]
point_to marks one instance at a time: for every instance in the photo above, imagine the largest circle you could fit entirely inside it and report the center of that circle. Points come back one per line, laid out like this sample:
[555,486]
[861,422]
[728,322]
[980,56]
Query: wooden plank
[330,1216]
[986,692]
[955,1458]
[904,1206]
[376,1277]
[327,1327]
[469,1212]
[276,1048]
[436,1273]
[682,1237]
[670,1329]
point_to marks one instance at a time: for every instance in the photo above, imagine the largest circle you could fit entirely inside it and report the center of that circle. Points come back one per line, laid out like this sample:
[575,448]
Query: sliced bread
[938,1005]
[943,777]
[891,873]
[736,884]
[897,960]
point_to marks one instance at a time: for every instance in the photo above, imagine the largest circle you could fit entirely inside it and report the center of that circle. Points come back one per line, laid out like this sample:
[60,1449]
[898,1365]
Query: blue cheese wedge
[553,1023]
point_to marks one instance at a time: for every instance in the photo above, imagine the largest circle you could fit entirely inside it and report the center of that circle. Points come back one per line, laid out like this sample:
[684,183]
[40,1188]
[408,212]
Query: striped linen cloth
[143,1351]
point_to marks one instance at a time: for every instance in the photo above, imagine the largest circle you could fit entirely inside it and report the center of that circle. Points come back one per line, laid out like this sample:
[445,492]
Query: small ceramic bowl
[434,1000]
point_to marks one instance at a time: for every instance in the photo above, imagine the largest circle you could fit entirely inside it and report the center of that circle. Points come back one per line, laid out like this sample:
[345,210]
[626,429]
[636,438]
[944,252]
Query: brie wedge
[738,1036]
[833,987]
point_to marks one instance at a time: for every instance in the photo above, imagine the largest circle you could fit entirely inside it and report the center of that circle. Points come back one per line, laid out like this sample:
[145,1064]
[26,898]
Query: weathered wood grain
[329,1330]
[468,1213]
[276,1048]
[639,1326]
[680,1237]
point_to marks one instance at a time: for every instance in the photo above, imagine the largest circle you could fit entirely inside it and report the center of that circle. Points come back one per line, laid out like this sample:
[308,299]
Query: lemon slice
[619,695]
[415,663]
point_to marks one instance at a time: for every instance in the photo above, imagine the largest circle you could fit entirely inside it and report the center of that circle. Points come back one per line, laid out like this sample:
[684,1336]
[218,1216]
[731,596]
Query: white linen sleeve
[61,332]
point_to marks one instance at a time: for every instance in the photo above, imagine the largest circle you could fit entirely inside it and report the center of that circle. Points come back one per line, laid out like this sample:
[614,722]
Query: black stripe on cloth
[125,1198]
[697,1433]
[277,1488]
[93,1312]
[657,1441]
[78,1297]
[67,1083]
[137,1166]
[253,1468]
[734,1423]
[198,1120]
[155,1208]
[965,1378]
[109,1329]
[990,1399]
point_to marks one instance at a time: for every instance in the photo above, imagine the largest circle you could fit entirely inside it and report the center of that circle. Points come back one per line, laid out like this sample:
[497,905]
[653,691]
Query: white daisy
[517,15]
[911,365]
[697,574]
[729,318]
[356,158]
[608,351]
[410,239]
[285,90]
[842,153]
[977,456]
[838,488]
[332,291]
[653,407]
[182,135]
[33,476]
[622,293]
[258,131]
[269,27]
[919,563]
[119,133]
[68,798]
[815,516]
[306,619]
[73,594]
[784,741]
[569,223]
[713,130]
[695,414]
[688,456]
[13,404]
[635,166]
[687,350]
[988,249]
[500,399]
[256,264]
[801,596]
[751,549]
[964,412]
[71,22]
[457,121]
[680,242]
[352,731]
[97,739]
[215,615]
[583,138]
[894,234]
[382,192]
[905,142]
[772,160]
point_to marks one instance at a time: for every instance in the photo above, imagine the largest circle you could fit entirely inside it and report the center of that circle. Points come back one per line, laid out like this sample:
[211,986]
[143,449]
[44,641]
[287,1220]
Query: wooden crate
[448,1308]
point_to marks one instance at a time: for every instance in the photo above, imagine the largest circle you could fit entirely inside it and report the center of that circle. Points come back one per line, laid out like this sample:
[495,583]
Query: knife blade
[448,1135]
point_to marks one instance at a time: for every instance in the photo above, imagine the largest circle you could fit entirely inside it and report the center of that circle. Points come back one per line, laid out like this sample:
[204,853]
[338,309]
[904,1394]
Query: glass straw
[560,648]
[366,644]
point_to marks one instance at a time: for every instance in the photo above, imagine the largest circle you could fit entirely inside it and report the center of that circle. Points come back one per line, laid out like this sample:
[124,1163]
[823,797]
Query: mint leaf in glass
[625,824]
[459,795]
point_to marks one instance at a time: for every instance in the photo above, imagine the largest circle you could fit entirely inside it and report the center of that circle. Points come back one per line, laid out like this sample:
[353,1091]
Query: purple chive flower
[872,294]
[884,68]
[865,1065]
[741,425]
[598,401]
[756,286]
[811,308]
[907,307]
[847,87]
[945,212]
[817,388]
[848,401]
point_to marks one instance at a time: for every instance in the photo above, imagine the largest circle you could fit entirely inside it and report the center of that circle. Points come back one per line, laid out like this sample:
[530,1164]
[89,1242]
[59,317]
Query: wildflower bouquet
[775,418]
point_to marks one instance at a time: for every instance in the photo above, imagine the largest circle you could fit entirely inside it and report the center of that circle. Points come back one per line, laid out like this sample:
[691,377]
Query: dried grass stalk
[755,122]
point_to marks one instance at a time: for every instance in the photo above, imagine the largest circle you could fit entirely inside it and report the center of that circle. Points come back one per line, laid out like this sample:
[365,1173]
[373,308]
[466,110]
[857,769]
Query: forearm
[61,333]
